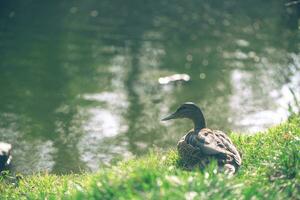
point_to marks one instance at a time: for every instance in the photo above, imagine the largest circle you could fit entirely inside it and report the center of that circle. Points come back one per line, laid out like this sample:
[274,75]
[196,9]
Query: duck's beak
[171,116]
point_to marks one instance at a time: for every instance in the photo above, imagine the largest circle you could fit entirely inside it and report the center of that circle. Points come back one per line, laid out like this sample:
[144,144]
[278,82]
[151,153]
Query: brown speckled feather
[190,156]
[208,143]
[216,142]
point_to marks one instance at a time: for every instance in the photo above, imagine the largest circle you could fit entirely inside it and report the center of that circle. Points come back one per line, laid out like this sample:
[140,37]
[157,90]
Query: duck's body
[201,144]
[197,148]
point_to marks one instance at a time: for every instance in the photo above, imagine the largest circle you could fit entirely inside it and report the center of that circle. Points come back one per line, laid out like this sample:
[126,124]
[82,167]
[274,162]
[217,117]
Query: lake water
[79,79]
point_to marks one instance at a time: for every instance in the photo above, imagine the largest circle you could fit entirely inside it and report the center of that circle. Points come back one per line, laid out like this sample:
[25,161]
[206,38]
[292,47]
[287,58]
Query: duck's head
[191,111]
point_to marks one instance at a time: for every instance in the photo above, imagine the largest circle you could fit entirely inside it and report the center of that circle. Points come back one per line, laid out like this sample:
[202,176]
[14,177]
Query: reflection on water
[79,80]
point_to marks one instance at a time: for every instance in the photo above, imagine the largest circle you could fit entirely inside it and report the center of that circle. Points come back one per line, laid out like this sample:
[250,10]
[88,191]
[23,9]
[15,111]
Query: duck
[5,155]
[201,145]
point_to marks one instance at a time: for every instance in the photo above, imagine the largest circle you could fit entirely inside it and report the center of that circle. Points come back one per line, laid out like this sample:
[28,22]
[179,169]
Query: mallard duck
[202,144]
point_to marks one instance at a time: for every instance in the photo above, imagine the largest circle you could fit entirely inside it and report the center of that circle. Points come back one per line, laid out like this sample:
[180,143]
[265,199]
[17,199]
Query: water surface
[79,79]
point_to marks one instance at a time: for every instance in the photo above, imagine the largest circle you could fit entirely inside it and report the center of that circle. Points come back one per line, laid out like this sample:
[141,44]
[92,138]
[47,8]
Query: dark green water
[79,79]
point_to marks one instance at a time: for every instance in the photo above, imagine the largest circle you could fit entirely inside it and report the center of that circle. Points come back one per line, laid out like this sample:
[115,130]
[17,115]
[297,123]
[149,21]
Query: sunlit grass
[270,170]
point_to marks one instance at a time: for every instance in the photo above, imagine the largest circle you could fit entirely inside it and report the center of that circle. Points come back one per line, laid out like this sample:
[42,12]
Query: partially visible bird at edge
[200,145]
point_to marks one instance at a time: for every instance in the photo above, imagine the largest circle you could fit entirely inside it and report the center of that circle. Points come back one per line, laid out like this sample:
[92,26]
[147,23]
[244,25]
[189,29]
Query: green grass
[270,170]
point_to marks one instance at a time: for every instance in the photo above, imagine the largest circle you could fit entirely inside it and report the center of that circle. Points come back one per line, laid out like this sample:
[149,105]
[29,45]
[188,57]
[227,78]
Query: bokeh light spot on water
[202,75]
[226,22]
[11,14]
[73,10]
[242,43]
[94,13]
[189,57]
[254,56]
[205,62]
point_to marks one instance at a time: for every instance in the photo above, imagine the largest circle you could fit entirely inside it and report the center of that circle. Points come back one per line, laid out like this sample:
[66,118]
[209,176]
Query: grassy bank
[270,170]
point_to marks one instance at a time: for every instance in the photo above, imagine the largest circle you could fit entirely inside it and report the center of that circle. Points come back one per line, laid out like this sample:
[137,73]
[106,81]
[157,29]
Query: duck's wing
[189,154]
[213,142]
[185,148]
[226,141]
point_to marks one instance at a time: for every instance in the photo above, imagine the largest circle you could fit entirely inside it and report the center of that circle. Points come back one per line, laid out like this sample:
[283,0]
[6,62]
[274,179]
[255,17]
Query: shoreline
[270,169]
